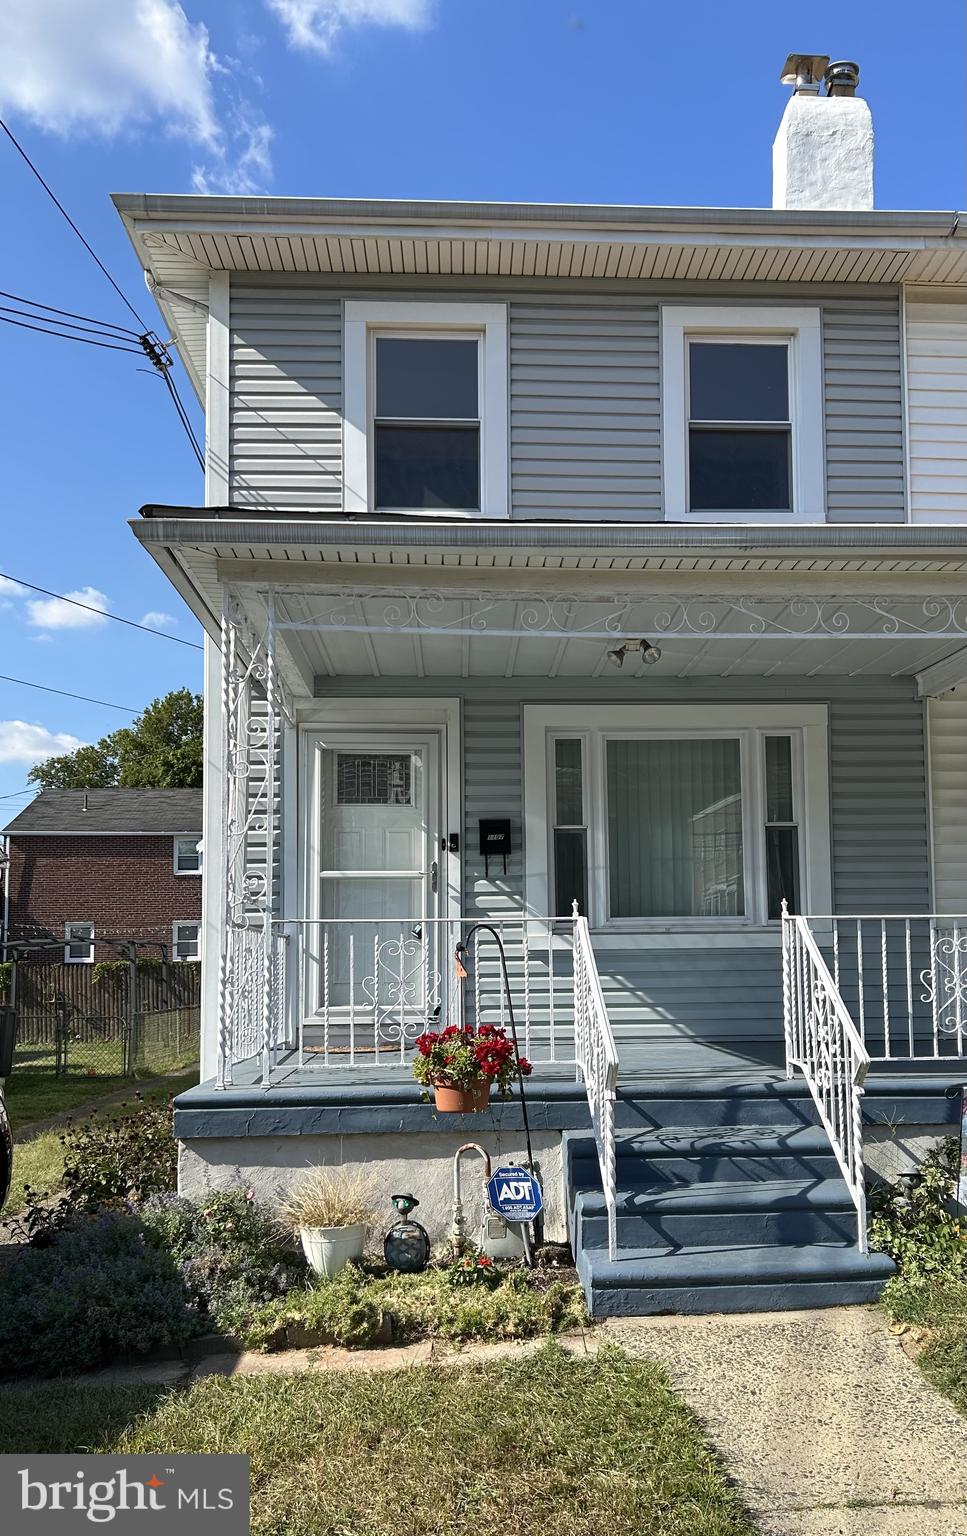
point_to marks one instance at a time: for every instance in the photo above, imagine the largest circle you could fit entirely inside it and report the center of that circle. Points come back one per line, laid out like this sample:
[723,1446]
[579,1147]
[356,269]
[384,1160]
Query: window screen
[427,422]
[739,427]
[374,778]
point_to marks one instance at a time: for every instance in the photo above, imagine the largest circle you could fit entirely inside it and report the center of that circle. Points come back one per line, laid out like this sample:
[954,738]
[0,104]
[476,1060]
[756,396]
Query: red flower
[525,1067]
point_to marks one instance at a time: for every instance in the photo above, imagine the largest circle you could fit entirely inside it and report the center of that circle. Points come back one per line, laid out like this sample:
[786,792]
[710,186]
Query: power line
[183,417]
[101,612]
[104,325]
[95,329]
[66,336]
[61,209]
[23,683]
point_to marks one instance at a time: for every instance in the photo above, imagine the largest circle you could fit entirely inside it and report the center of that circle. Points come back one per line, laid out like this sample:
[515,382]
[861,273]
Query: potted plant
[462,1065]
[331,1211]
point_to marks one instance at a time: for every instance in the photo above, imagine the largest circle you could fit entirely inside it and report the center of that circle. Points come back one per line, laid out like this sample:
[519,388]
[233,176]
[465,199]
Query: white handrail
[597,1063]
[824,1043]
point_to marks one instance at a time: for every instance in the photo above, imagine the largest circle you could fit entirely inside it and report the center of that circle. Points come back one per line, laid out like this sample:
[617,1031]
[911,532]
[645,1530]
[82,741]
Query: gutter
[168,525]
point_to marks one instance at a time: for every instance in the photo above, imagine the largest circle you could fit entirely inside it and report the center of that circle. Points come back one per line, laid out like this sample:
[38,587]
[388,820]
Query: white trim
[360,317]
[70,959]
[212,895]
[186,837]
[808,722]
[803,327]
[187,922]
[217,392]
[905,407]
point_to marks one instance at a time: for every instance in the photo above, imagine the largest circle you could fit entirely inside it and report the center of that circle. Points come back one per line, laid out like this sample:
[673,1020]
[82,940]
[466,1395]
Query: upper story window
[426,422]
[425,408]
[79,943]
[742,414]
[187,856]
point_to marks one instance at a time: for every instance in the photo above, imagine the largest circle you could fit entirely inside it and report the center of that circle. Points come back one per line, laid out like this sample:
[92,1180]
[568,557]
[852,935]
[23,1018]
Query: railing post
[787,1023]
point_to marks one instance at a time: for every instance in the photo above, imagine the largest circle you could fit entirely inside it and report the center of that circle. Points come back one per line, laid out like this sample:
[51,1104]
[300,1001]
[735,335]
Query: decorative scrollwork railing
[597,1062]
[824,1043]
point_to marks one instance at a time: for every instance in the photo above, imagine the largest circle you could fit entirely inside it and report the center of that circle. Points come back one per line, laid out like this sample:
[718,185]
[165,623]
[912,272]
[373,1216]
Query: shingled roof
[152,812]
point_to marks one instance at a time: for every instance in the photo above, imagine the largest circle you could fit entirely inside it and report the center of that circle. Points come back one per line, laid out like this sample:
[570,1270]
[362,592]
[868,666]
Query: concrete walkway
[826,1426]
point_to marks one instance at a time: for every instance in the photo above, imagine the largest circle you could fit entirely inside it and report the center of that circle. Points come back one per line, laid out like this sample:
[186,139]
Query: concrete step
[686,1157]
[773,1212]
[729,1278]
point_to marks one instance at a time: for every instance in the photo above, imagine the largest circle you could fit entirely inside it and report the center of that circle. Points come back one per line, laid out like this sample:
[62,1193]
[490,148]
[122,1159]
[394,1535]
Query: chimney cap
[842,78]
[805,71]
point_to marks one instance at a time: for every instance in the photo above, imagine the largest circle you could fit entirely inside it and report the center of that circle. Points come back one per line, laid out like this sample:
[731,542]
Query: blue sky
[610,101]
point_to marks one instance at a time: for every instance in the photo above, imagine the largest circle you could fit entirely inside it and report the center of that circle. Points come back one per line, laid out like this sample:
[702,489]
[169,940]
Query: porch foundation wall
[419,1163]
[890,1151]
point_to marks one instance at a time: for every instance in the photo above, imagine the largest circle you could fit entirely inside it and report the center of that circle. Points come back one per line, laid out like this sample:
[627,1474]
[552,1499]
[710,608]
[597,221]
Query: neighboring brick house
[89,866]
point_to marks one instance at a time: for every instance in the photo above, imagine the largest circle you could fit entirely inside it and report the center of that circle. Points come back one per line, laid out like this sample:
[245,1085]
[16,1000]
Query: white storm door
[379,880]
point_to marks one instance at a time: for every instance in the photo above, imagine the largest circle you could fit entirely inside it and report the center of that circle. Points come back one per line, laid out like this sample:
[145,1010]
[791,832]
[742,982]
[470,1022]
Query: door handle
[434,873]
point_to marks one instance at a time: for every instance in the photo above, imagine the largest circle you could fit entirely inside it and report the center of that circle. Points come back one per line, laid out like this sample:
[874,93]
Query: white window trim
[595,724]
[70,959]
[187,922]
[803,327]
[185,838]
[363,316]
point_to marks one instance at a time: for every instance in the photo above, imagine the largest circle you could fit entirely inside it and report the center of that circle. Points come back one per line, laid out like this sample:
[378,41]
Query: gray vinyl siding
[585,418]
[864,410]
[285,419]
[583,395]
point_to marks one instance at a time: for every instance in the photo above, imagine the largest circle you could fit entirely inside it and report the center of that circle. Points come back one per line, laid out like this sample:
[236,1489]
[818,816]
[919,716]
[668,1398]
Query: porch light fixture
[649,653]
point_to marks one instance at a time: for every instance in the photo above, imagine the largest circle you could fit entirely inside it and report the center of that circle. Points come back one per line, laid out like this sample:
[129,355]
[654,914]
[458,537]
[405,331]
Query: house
[598,574]
[89,868]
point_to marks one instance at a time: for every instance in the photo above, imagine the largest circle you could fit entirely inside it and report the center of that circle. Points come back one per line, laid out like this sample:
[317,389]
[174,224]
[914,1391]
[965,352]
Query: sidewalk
[824,1423]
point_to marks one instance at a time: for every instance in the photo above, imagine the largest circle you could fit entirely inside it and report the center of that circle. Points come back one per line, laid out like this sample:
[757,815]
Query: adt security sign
[515,1194]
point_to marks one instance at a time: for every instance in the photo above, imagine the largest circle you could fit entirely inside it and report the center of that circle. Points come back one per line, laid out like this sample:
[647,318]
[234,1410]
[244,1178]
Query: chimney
[823,153]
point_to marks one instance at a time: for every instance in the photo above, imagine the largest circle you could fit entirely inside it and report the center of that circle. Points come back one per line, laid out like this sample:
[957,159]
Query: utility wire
[104,325]
[23,683]
[70,325]
[183,417]
[102,613]
[61,209]
[66,336]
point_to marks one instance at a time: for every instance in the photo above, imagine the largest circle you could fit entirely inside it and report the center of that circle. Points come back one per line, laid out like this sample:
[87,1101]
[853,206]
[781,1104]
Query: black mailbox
[494,839]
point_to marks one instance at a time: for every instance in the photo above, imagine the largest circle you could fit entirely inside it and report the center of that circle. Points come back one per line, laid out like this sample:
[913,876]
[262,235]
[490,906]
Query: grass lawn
[936,1313]
[40,1161]
[94,1070]
[547,1444]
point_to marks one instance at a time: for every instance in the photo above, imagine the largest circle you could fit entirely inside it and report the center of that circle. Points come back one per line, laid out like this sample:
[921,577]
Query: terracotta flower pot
[462,1101]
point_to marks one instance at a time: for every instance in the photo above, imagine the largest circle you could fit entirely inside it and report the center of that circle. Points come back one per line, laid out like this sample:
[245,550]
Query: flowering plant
[459,1058]
[472,1268]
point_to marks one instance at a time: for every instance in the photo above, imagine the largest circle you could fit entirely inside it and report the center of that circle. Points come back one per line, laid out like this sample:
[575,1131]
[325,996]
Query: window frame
[807,725]
[363,321]
[70,959]
[801,328]
[186,838]
[186,922]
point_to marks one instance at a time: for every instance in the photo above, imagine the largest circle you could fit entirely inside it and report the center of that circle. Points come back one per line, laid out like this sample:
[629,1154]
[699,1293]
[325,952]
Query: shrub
[230,1259]
[926,1235]
[110,1161]
[329,1197]
[96,1289]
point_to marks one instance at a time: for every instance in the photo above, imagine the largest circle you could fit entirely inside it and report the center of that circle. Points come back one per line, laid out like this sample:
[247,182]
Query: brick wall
[125,886]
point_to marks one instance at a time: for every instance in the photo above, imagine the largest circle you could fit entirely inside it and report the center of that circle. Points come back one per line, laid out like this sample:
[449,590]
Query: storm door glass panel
[739,427]
[782,829]
[373,881]
[427,423]
[570,838]
[675,845]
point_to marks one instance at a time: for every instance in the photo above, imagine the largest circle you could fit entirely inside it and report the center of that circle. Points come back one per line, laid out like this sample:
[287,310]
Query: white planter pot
[330,1249]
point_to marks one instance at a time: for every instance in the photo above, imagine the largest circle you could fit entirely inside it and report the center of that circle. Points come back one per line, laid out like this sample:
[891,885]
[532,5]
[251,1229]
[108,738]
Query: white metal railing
[902,978]
[349,992]
[597,1063]
[824,1043]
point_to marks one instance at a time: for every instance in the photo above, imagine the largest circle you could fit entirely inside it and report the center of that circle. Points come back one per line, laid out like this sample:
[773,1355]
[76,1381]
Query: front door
[378,886]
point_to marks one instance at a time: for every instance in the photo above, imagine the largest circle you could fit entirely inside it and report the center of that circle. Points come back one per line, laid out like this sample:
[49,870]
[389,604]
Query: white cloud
[8,591]
[157,620]
[22,742]
[111,66]
[51,613]
[315,24]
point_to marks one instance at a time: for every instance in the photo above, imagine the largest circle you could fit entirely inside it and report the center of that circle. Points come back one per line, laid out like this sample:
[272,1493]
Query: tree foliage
[162,749]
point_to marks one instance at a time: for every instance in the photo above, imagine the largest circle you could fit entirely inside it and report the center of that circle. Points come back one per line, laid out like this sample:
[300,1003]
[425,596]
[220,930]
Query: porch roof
[467,600]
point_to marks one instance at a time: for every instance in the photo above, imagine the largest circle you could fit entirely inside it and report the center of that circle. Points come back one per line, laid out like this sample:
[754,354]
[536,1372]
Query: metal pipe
[458,1231]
